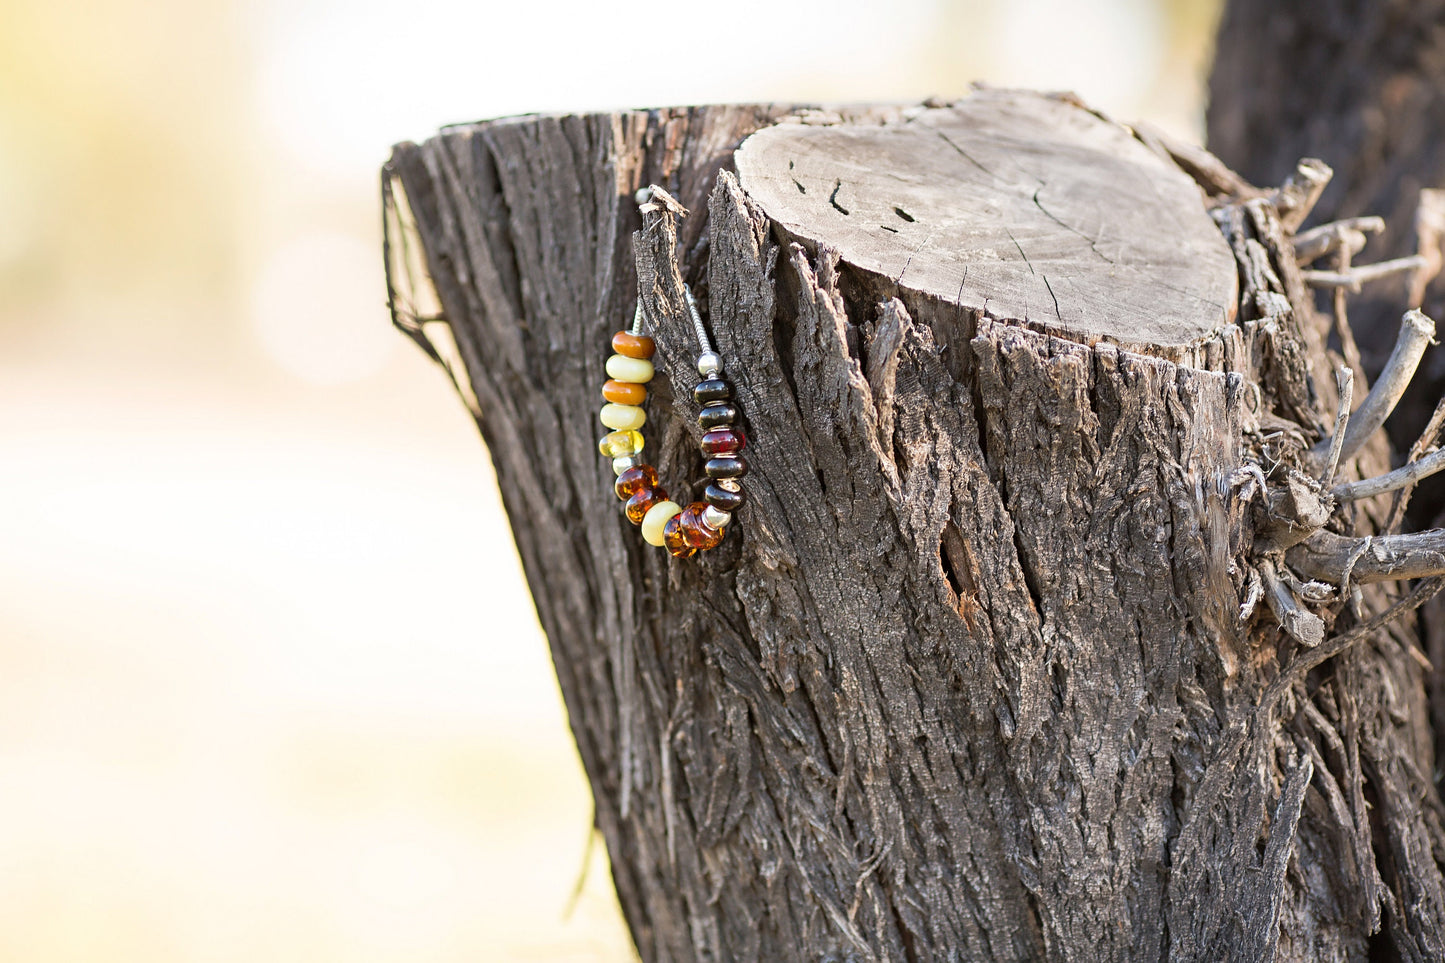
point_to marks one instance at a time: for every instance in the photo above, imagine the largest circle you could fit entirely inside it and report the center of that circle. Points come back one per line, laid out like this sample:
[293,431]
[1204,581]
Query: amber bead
[675,538]
[635,480]
[641,500]
[723,499]
[696,532]
[713,389]
[718,415]
[624,392]
[723,441]
[633,345]
[617,443]
[726,466]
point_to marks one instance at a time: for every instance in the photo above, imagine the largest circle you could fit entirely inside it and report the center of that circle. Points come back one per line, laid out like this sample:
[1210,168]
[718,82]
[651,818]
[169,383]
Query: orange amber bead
[675,539]
[640,501]
[697,532]
[632,345]
[635,480]
[624,392]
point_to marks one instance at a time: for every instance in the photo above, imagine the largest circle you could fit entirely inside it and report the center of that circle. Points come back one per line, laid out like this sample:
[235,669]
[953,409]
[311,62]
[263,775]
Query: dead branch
[1416,332]
[1407,474]
[1311,245]
[1371,558]
[1299,623]
[1353,278]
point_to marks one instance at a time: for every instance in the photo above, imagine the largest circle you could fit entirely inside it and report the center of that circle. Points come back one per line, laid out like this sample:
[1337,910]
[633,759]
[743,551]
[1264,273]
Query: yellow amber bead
[620,443]
[622,368]
[623,417]
[656,520]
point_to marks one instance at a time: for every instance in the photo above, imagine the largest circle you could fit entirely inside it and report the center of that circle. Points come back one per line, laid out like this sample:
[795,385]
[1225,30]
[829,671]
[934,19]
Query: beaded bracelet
[699,526]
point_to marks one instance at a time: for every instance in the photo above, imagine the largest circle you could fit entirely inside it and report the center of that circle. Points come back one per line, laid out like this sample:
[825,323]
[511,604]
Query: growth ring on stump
[1023,207]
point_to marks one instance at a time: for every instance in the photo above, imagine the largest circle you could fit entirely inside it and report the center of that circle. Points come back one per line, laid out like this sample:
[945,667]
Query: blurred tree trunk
[1359,84]
[1005,658]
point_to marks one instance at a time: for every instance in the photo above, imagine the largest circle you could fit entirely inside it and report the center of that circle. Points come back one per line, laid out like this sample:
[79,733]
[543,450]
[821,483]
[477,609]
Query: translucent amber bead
[641,503]
[633,345]
[723,441]
[675,538]
[636,370]
[619,443]
[695,530]
[623,417]
[635,480]
[624,392]
[656,519]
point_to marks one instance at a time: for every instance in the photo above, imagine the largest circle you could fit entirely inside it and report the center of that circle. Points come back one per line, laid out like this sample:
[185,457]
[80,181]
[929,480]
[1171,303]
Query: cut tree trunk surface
[1003,659]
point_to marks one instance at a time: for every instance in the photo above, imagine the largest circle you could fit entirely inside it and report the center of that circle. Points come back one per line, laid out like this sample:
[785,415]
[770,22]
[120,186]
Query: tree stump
[1006,657]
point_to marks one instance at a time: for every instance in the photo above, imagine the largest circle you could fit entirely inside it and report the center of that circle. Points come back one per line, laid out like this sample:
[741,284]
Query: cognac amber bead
[723,441]
[712,390]
[641,501]
[723,499]
[726,466]
[717,415]
[633,345]
[675,538]
[695,531]
[624,392]
[635,480]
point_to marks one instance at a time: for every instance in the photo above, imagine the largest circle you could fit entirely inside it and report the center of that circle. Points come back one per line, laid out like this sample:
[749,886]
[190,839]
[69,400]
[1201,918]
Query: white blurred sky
[270,683]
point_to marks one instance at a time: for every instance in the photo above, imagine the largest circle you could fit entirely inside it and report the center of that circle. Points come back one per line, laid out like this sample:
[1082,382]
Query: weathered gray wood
[976,676]
[1031,207]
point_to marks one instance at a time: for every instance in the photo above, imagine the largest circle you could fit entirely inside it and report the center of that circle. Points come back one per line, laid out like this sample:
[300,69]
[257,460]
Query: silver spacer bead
[728,484]
[709,363]
[621,463]
[715,518]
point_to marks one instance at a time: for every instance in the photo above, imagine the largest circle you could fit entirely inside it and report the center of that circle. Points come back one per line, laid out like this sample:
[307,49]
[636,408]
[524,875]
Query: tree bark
[1004,659]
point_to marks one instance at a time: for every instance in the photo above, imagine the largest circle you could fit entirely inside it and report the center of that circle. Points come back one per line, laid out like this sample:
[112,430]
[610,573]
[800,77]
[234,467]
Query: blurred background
[271,687]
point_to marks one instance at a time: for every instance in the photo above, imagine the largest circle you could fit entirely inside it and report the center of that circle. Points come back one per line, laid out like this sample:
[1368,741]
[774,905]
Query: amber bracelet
[699,526]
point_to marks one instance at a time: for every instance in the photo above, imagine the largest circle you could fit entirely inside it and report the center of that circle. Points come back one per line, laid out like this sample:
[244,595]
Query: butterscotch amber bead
[624,392]
[633,345]
[635,480]
[622,417]
[675,538]
[641,503]
[696,532]
[655,521]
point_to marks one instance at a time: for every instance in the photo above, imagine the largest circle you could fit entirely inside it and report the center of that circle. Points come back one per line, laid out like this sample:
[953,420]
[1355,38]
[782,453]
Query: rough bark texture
[980,674]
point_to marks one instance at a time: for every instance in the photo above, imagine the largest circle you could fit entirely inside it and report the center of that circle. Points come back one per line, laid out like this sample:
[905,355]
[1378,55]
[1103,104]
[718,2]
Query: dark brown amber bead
[718,415]
[726,466]
[722,499]
[723,441]
[624,392]
[713,389]
[634,480]
[674,539]
[633,345]
[641,501]
[695,531]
